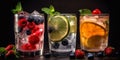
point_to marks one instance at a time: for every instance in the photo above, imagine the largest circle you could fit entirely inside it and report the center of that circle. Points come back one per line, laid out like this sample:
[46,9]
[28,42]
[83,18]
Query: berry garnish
[38,20]
[31,25]
[30,18]
[10,52]
[96,11]
[108,51]
[9,47]
[79,53]
[47,55]
[72,55]
[28,47]
[65,42]
[56,45]
[35,29]
[90,56]
[33,39]
[28,32]
[100,54]
[22,22]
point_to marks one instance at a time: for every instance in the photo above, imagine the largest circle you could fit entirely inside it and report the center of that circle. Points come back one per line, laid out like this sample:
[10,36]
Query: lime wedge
[61,27]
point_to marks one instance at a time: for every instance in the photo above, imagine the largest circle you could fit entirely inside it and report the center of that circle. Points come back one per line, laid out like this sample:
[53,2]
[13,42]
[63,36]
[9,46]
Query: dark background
[63,6]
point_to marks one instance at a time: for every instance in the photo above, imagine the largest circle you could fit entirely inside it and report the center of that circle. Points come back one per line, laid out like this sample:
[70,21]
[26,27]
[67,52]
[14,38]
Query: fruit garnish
[18,8]
[94,41]
[65,42]
[89,29]
[22,22]
[79,53]
[96,11]
[90,56]
[50,10]
[85,11]
[27,46]
[9,51]
[108,50]
[61,27]
[55,45]
[33,39]
[9,47]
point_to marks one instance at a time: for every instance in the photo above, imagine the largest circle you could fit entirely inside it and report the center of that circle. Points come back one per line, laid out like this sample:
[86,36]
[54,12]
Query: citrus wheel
[94,41]
[60,27]
[88,29]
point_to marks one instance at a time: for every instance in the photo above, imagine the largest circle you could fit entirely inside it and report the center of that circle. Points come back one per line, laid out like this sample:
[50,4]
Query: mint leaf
[51,9]
[85,11]
[18,8]
[2,50]
[46,10]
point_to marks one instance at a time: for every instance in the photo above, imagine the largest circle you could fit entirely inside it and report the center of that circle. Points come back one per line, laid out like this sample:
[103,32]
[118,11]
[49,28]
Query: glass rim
[97,14]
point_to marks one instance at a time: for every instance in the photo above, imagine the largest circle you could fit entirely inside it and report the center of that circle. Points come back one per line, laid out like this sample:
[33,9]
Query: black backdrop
[63,6]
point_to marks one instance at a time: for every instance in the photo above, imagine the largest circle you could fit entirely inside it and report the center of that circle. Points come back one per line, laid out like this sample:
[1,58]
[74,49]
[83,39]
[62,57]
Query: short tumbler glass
[62,34]
[94,32]
[29,33]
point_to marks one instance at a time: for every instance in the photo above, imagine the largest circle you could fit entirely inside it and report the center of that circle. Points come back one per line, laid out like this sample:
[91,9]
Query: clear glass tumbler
[29,33]
[62,34]
[94,32]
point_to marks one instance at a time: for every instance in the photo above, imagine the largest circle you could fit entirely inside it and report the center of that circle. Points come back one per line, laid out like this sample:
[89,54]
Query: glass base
[60,54]
[29,54]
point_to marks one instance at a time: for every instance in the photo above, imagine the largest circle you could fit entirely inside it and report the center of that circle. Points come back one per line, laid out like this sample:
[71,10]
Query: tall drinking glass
[62,34]
[94,31]
[29,33]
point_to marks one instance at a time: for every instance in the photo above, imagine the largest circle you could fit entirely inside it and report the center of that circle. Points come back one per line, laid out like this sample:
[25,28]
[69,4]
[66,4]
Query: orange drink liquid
[94,30]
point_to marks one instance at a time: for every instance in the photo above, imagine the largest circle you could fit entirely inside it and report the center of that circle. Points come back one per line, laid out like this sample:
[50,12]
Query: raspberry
[31,25]
[22,22]
[10,52]
[35,29]
[33,39]
[9,47]
[28,47]
[79,53]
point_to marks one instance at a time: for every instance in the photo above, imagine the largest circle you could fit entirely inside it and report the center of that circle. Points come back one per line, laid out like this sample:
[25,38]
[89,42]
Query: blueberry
[65,42]
[72,55]
[30,18]
[47,55]
[38,20]
[56,45]
[50,29]
[90,56]
[100,54]
[28,32]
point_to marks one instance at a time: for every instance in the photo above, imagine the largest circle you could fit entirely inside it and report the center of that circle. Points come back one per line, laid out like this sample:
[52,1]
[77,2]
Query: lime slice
[61,27]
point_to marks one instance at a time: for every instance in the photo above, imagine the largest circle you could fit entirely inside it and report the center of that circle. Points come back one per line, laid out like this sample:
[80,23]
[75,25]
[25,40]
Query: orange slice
[88,29]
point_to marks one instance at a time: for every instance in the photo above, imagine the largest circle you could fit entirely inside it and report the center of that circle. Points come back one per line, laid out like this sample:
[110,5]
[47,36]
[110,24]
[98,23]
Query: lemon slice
[88,29]
[61,27]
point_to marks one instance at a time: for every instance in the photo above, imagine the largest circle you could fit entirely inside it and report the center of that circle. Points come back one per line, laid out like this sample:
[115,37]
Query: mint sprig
[50,10]
[85,11]
[18,8]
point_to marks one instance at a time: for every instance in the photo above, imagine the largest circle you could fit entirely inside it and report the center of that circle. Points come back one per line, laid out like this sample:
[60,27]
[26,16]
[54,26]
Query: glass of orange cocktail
[94,30]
